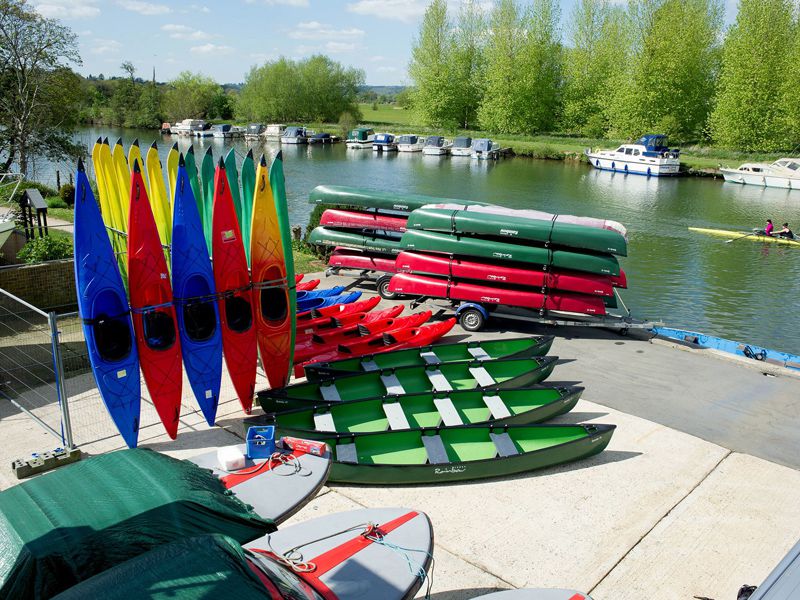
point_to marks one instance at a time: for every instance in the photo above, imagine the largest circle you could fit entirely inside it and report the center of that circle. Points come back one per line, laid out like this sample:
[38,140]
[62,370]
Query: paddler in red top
[768,229]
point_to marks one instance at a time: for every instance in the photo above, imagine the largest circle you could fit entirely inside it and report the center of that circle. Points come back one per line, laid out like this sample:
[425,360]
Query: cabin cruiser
[485,149]
[254,131]
[360,138]
[649,155]
[384,142]
[223,130]
[462,146]
[410,143]
[324,138]
[274,131]
[295,135]
[188,127]
[783,173]
[436,145]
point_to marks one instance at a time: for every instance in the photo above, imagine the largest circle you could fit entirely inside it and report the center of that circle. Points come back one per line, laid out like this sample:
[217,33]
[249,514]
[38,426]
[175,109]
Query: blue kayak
[312,303]
[105,314]
[195,300]
[324,293]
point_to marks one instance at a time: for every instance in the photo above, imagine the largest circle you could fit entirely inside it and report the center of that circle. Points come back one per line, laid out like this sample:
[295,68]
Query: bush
[56,202]
[25,185]
[67,193]
[47,248]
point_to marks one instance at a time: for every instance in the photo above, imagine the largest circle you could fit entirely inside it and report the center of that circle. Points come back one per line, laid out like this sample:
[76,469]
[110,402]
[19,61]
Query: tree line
[651,66]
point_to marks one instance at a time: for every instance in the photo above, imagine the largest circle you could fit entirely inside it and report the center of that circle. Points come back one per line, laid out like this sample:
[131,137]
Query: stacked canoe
[473,252]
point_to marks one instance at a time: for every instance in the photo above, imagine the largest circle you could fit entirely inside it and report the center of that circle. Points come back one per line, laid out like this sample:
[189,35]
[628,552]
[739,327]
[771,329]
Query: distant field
[386,115]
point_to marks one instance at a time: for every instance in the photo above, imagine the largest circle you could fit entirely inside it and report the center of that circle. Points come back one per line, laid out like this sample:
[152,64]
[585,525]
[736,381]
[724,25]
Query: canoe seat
[497,407]
[504,444]
[324,422]
[438,380]
[482,376]
[479,353]
[329,392]
[346,453]
[392,383]
[369,364]
[434,447]
[397,418]
[430,357]
[447,411]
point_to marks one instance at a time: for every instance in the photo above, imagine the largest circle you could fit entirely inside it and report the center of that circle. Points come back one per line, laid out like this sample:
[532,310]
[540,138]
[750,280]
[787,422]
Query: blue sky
[224,38]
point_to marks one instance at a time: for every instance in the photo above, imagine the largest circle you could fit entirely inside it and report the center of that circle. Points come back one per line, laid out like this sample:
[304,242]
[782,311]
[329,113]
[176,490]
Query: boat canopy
[361,134]
[294,132]
[255,128]
[462,142]
[436,141]
[407,139]
[482,145]
[223,127]
[653,142]
[789,163]
[321,135]
[384,138]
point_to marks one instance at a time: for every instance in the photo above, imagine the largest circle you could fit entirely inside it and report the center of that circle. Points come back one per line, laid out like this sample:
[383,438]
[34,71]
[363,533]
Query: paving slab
[732,530]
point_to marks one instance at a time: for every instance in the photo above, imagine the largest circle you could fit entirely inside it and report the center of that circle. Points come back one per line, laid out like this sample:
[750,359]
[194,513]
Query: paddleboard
[248,177]
[158,196]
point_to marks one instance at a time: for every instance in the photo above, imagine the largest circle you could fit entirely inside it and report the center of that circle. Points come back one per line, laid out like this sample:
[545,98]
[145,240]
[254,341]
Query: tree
[430,68]
[128,67]
[148,109]
[467,64]
[541,66]
[39,94]
[190,96]
[758,75]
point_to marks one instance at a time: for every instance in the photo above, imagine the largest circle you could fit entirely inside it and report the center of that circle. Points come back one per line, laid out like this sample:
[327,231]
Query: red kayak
[233,285]
[353,219]
[306,333]
[568,281]
[298,277]
[336,310]
[418,285]
[307,286]
[344,258]
[154,320]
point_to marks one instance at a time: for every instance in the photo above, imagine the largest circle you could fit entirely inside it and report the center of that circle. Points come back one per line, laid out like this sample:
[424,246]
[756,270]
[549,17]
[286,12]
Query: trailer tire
[471,319]
[383,287]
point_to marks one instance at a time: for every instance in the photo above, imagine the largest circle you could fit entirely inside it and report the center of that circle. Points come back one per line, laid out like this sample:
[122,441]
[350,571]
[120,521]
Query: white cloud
[67,9]
[147,9]
[210,49]
[200,8]
[104,46]
[337,47]
[314,30]
[183,32]
[299,3]
[399,10]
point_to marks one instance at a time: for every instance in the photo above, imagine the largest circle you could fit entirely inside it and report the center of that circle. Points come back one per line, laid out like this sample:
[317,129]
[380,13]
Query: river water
[743,290]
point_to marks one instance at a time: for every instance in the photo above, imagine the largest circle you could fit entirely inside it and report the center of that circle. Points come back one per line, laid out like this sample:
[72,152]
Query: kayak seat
[392,383]
[274,306]
[396,416]
[112,337]
[496,406]
[438,380]
[324,422]
[504,444]
[346,453]
[479,353]
[430,357]
[482,376]
[448,412]
[238,314]
[329,392]
[199,321]
[159,329]
[434,447]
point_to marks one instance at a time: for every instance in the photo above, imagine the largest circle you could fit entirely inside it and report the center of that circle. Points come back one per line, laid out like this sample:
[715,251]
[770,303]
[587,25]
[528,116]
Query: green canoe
[442,454]
[339,195]
[521,406]
[513,227]
[431,241]
[327,236]
[510,373]
[523,347]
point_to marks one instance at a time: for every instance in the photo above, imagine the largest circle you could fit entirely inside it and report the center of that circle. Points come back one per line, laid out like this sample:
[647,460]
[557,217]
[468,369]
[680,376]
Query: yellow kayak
[744,235]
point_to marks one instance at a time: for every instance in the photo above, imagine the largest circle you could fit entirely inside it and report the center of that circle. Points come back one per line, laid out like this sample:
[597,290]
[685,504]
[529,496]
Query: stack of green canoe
[361,240]
[339,195]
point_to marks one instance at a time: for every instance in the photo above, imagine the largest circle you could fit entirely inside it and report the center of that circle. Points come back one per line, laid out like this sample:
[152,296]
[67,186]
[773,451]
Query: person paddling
[785,232]
[768,229]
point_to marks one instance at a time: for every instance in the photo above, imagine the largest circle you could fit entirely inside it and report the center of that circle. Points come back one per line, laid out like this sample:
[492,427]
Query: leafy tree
[39,94]
[148,109]
[758,75]
[190,96]
[125,99]
[467,63]
[405,98]
[221,106]
[541,65]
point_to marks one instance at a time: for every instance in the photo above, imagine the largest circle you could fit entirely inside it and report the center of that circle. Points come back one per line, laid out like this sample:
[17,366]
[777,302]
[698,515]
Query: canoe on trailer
[444,243]
[352,219]
[521,406]
[340,195]
[411,380]
[372,242]
[433,287]
[344,258]
[506,274]
[522,347]
[463,452]
[747,235]
[518,228]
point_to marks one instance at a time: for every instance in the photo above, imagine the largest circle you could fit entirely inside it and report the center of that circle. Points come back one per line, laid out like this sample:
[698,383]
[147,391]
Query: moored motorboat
[222,130]
[485,149]
[436,145]
[294,135]
[410,143]
[783,173]
[384,142]
[274,131]
[322,138]
[254,131]
[649,155]
[360,138]
[462,146]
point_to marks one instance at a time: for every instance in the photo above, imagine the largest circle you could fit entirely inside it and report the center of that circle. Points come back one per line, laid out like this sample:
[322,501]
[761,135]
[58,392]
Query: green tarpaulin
[69,525]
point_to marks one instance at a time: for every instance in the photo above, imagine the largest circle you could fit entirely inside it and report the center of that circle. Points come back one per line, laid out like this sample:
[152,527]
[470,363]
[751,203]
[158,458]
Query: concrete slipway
[696,495]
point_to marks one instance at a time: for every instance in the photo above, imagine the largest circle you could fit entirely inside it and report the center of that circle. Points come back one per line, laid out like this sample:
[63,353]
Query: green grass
[63,214]
[305,262]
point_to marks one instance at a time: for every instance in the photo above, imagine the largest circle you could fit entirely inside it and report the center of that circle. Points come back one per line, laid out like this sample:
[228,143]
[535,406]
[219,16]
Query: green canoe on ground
[439,455]
[462,245]
[340,195]
[517,228]
[327,236]
[521,406]
[504,374]
[523,347]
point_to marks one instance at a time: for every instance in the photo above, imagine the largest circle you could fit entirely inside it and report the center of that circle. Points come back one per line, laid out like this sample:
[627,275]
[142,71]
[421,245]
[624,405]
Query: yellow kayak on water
[744,235]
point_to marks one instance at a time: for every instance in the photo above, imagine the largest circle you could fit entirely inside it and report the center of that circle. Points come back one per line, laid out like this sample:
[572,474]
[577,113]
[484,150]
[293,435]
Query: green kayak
[523,347]
[439,455]
[339,195]
[521,406]
[509,373]
[327,236]
[430,241]
[516,228]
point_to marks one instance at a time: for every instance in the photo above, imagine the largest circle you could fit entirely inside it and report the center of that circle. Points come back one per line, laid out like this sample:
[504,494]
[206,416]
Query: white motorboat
[783,173]
[274,131]
[748,173]
[295,135]
[188,127]
[360,138]
[436,145]
[410,143]
[223,130]
[254,131]
[462,146]
[384,142]
[649,155]
[485,149]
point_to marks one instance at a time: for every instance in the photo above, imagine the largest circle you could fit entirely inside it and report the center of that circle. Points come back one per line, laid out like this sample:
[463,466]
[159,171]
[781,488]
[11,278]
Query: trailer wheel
[471,319]
[383,287]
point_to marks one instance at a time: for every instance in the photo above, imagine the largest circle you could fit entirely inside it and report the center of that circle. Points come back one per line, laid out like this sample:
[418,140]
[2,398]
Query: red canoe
[233,285]
[568,281]
[418,285]
[336,310]
[352,219]
[344,258]
[307,286]
[154,319]
[304,335]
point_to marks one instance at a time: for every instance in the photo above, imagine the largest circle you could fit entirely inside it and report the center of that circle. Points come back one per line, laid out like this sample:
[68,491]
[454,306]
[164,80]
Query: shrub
[47,248]
[56,202]
[67,193]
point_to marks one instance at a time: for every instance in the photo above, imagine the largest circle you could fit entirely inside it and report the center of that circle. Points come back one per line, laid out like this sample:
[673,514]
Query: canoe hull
[350,219]
[343,258]
[371,242]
